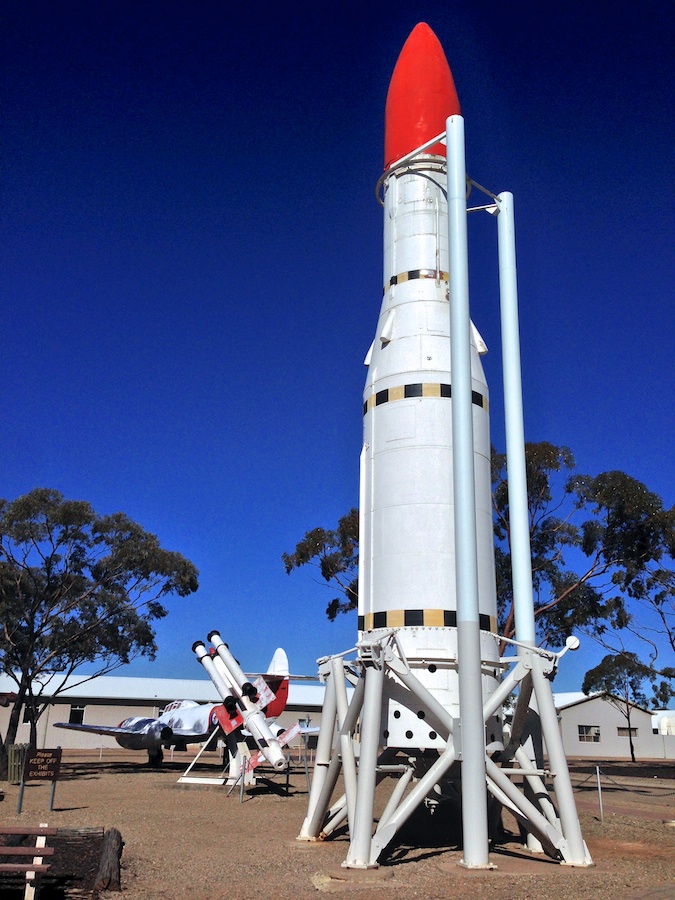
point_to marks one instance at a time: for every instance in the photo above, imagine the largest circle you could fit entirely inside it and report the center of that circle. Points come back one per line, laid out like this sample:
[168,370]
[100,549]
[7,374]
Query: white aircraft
[252,704]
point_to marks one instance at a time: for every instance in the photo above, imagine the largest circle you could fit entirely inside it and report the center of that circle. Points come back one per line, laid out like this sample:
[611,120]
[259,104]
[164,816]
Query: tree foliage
[602,557]
[621,678]
[335,555]
[75,588]
[602,554]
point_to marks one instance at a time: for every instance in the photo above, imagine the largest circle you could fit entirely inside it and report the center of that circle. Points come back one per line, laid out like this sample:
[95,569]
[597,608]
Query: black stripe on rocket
[424,389]
[413,274]
[409,618]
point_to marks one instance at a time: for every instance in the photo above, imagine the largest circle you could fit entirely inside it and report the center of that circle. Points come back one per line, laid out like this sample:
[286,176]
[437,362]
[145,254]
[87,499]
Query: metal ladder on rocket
[428,680]
[242,706]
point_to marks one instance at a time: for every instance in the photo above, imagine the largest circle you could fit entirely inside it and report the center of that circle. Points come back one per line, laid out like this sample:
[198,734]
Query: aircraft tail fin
[277,678]
[279,663]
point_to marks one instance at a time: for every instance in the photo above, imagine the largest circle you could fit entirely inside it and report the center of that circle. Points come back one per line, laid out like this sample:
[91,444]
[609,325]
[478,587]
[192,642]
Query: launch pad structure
[429,683]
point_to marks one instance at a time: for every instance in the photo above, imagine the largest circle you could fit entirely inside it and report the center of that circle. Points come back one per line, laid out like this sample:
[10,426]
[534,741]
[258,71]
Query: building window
[589,734]
[627,732]
[76,716]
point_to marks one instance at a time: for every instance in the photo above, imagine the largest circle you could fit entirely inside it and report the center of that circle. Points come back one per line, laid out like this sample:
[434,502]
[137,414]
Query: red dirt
[200,843]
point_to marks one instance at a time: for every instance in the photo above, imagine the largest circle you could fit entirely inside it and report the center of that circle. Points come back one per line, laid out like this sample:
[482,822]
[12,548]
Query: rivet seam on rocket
[413,274]
[429,618]
[420,389]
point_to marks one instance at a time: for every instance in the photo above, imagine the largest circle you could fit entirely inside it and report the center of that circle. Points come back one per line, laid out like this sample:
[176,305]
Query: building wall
[598,713]
[110,712]
[96,712]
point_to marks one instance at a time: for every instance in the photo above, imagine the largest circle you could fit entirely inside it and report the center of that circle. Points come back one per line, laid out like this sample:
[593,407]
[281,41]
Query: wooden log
[30,830]
[21,868]
[108,877]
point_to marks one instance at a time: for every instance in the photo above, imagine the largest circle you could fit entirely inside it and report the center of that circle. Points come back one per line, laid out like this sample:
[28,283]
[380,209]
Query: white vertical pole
[597,775]
[345,738]
[310,829]
[361,835]
[577,853]
[519,523]
[521,560]
[474,788]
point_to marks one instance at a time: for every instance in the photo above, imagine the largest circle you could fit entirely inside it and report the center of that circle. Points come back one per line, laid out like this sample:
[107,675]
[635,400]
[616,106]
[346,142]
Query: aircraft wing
[174,734]
[113,731]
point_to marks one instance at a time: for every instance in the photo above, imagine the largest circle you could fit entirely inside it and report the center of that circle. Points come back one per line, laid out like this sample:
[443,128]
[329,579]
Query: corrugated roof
[584,698]
[567,698]
[121,687]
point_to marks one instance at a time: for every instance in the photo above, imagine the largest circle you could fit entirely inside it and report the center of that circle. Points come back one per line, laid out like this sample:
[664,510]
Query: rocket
[407,532]
[427,687]
[241,699]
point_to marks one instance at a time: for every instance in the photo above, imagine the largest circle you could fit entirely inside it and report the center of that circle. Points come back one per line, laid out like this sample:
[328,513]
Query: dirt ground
[198,843]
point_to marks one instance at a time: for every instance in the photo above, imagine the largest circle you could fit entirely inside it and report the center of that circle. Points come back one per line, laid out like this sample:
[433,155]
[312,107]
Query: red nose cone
[421,96]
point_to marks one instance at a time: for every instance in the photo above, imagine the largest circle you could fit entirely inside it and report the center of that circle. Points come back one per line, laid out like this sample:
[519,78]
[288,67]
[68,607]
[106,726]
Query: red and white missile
[407,531]
[242,700]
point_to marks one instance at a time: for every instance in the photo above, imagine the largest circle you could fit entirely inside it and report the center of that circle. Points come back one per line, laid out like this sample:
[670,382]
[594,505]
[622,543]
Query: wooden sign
[42,765]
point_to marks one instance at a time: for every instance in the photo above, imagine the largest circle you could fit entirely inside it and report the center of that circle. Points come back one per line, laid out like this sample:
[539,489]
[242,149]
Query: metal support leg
[387,832]
[322,789]
[346,745]
[545,832]
[538,789]
[322,761]
[359,847]
[576,852]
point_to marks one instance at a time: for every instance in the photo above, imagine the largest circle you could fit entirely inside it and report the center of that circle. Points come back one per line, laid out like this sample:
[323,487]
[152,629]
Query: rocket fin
[481,346]
[387,329]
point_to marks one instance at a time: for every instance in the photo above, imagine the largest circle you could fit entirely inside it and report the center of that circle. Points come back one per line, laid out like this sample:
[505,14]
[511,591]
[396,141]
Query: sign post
[40,765]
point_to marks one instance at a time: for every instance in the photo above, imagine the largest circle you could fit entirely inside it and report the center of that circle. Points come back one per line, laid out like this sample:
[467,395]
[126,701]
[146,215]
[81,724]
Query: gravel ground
[198,842]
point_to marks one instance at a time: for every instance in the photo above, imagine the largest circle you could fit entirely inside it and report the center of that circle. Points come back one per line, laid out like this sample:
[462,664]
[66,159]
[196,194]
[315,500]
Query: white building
[596,727]
[591,726]
[109,699]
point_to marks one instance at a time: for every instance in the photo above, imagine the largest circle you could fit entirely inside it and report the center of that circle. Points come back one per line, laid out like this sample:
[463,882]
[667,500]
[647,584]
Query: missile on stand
[407,530]
[247,700]
[232,718]
[240,700]
[428,648]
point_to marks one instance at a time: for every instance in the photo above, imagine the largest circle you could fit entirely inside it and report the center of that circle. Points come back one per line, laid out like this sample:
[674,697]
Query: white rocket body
[406,541]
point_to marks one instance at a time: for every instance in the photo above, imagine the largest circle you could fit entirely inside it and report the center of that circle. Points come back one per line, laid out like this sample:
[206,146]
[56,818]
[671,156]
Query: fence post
[16,757]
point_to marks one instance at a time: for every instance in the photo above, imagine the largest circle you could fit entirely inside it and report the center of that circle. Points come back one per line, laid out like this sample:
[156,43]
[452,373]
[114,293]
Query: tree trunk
[15,715]
[108,876]
[12,728]
[4,762]
[630,733]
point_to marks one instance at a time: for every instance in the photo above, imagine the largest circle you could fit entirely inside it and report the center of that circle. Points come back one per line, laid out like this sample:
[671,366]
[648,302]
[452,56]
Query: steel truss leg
[327,766]
[575,853]
[387,830]
[322,761]
[532,806]
[359,847]
[345,744]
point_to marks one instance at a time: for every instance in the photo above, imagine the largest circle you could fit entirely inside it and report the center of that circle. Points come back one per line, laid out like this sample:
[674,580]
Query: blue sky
[191,267]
